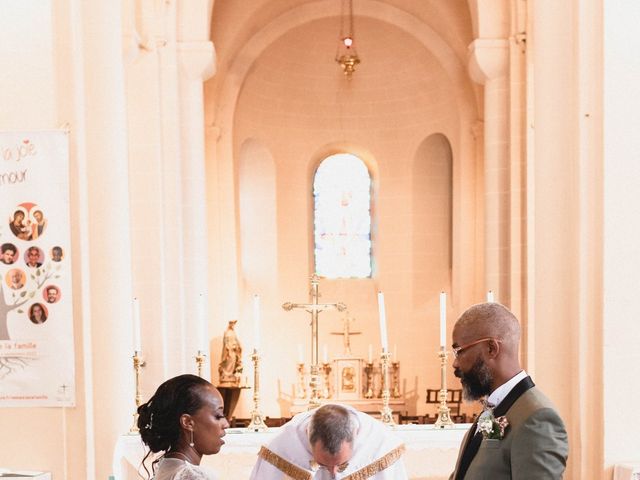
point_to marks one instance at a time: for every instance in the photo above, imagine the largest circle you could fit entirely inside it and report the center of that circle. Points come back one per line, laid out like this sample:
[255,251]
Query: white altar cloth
[431,453]
[627,471]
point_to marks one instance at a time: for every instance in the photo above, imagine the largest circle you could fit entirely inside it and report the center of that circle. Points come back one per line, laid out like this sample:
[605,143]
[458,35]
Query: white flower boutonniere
[492,427]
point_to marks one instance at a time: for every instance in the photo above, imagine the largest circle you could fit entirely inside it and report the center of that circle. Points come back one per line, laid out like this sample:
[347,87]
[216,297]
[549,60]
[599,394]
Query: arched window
[342,217]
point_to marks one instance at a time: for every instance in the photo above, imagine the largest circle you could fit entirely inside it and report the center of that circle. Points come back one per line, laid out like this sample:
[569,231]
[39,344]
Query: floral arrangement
[492,427]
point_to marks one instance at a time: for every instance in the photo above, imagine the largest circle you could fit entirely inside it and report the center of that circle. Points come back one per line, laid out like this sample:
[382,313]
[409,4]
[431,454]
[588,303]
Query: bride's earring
[191,444]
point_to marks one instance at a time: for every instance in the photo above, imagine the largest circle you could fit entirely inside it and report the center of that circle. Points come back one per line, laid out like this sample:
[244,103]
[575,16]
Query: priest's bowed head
[332,442]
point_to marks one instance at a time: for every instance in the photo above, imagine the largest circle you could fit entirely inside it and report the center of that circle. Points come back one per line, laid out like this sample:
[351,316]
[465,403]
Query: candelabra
[301,389]
[138,363]
[200,359]
[386,414]
[444,419]
[368,371]
[257,422]
[395,380]
[314,386]
[326,372]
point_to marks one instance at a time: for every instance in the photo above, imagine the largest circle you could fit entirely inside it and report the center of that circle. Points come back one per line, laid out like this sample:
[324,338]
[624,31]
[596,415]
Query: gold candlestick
[314,387]
[326,371]
[257,422]
[395,381]
[200,359]
[301,388]
[386,415]
[368,371]
[138,363]
[444,418]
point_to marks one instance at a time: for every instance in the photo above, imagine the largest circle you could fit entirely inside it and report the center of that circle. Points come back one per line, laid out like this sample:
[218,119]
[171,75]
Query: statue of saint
[230,368]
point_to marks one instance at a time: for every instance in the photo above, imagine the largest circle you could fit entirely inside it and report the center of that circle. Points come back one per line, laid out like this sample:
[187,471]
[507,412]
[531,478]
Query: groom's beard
[476,383]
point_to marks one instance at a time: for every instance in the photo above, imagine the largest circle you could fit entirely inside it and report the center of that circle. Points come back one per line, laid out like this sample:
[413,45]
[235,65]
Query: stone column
[109,229]
[620,335]
[223,237]
[488,65]
[197,64]
[174,351]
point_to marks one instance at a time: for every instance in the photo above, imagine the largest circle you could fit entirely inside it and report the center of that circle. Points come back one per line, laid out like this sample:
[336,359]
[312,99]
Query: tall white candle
[370,353]
[383,322]
[443,319]
[490,298]
[300,355]
[202,323]
[256,322]
[137,346]
[325,354]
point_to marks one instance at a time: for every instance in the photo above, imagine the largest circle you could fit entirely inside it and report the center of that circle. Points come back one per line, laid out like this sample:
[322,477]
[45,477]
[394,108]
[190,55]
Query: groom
[520,434]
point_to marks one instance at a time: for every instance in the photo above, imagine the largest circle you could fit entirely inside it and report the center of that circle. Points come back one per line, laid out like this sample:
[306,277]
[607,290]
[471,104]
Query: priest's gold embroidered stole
[298,473]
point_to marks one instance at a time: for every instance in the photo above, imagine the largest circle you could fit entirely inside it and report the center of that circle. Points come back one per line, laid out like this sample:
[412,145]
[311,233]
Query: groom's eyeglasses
[457,351]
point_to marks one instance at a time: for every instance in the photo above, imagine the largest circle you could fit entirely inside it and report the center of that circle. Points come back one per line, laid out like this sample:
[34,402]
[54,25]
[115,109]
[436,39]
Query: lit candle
[300,355]
[256,322]
[490,298]
[383,322]
[370,353]
[443,319]
[136,326]
[325,354]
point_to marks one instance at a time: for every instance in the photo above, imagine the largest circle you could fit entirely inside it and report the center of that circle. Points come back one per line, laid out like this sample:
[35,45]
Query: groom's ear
[493,348]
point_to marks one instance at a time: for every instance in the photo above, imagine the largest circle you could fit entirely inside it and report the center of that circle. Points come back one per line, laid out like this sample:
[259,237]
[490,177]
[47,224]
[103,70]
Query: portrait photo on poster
[9,253]
[51,293]
[16,279]
[38,313]
[34,257]
[57,254]
[28,221]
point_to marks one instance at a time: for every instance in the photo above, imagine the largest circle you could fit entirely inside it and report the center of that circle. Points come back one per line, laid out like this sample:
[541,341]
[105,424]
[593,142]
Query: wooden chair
[276,422]
[411,419]
[239,422]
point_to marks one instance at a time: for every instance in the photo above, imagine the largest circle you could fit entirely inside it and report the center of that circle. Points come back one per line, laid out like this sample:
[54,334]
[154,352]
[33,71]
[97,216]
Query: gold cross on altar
[314,308]
[345,333]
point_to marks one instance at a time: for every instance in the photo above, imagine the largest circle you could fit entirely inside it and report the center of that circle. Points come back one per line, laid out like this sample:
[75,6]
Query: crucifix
[345,333]
[314,308]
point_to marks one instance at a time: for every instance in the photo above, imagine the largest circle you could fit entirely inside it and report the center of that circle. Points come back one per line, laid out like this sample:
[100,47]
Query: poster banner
[36,324]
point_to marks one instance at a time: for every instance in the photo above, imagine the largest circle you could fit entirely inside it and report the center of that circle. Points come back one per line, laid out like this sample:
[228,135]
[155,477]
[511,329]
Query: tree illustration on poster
[27,278]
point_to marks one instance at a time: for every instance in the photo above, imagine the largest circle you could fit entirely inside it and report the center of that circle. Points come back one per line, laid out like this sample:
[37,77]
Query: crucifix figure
[314,308]
[345,333]
[63,390]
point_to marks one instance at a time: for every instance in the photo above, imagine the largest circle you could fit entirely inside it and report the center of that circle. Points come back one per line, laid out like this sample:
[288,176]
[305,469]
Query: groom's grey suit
[534,447]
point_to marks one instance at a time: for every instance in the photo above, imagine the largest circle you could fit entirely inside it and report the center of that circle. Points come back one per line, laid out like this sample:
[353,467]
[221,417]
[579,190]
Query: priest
[332,442]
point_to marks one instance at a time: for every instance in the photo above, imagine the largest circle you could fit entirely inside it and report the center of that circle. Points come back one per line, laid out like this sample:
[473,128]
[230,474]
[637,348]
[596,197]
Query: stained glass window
[342,217]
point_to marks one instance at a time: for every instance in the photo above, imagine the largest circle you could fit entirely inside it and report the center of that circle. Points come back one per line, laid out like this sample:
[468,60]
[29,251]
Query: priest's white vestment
[376,453]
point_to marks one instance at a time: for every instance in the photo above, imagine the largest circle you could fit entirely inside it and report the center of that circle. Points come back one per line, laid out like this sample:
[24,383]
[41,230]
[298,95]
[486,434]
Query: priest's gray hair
[332,425]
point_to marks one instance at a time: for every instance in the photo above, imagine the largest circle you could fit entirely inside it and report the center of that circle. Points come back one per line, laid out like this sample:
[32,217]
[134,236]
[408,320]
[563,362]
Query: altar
[430,452]
[371,406]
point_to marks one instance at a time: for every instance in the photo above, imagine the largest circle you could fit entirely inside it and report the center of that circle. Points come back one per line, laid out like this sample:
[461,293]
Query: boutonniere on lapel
[491,427]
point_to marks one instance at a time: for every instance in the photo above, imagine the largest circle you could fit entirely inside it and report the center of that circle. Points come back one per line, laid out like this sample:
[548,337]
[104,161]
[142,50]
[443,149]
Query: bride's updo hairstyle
[159,418]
